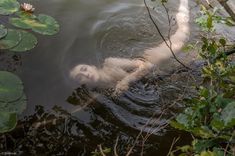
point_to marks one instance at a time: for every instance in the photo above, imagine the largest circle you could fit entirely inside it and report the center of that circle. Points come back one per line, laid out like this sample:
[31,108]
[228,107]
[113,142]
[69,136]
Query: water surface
[92,30]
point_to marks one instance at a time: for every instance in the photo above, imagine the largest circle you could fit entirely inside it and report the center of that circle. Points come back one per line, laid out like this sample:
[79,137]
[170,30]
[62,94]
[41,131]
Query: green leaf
[48,25]
[186,148]
[183,119]
[12,38]
[28,42]
[17,106]
[8,7]
[12,100]
[177,125]
[11,88]
[222,41]
[7,121]
[217,124]
[228,115]
[43,24]
[209,22]
[207,153]
[3,31]
[23,23]
[202,145]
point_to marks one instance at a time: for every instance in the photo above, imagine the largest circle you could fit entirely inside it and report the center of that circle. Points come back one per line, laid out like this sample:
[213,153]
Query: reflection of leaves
[8,7]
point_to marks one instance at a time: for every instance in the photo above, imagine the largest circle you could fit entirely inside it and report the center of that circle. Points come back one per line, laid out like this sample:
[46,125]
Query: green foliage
[12,96]
[29,41]
[8,7]
[12,100]
[210,116]
[42,24]
[3,31]
[8,121]
[18,40]
[207,19]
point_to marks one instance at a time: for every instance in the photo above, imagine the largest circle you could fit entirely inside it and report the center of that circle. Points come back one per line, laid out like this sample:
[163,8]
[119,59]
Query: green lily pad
[24,23]
[7,121]
[8,7]
[11,87]
[12,100]
[12,38]
[43,24]
[49,26]
[3,31]
[17,106]
[28,42]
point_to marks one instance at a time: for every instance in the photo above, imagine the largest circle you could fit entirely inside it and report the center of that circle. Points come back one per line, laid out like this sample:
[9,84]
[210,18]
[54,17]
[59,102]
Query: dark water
[62,119]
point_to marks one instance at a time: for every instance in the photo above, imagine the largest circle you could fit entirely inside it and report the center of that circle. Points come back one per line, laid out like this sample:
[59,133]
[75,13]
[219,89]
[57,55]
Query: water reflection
[93,32]
[97,119]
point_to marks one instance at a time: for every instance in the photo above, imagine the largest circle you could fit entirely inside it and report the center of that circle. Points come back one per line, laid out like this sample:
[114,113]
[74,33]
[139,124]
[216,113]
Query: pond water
[62,119]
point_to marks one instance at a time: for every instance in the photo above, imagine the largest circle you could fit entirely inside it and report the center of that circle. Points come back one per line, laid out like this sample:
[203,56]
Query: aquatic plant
[12,96]
[12,100]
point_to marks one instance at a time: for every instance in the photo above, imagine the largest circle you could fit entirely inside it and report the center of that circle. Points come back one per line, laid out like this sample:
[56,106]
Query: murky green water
[92,30]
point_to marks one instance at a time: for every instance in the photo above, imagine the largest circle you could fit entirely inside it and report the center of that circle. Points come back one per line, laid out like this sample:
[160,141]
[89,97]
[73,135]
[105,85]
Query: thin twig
[115,147]
[101,150]
[169,45]
[175,140]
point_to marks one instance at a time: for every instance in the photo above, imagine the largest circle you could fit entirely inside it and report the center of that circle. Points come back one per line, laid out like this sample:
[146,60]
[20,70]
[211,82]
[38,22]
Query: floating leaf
[17,106]
[28,42]
[12,38]
[12,100]
[43,24]
[24,23]
[8,7]
[48,25]
[11,88]
[7,121]
[3,31]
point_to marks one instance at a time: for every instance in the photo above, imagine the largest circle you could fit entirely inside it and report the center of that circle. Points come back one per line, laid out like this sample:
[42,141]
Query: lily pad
[12,100]
[17,106]
[43,24]
[28,42]
[49,26]
[11,87]
[3,31]
[24,23]
[12,39]
[7,121]
[8,7]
